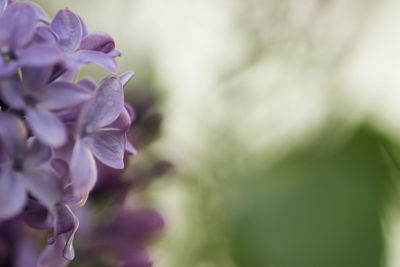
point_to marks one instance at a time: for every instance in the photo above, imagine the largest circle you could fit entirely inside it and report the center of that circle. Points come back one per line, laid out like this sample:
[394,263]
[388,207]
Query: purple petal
[69,75]
[138,225]
[7,69]
[40,55]
[13,133]
[41,15]
[96,57]
[61,95]
[17,25]
[35,78]
[137,257]
[67,26]
[123,122]
[67,225]
[11,93]
[45,34]
[130,149]
[115,53]
[108,146]
[98,41]
[107,103]
[12,193]
[36,154]
[70,198]
[62,169]
[3,155]
[3,5]
[51,255]
[130,111]
[44,186]
[84,28]
[125,77]
[46,126]
[61,250]
[88,83]
[38,216]
[82,168]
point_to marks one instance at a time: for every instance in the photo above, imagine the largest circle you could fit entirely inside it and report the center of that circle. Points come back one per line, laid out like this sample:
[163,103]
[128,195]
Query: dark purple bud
[98,41]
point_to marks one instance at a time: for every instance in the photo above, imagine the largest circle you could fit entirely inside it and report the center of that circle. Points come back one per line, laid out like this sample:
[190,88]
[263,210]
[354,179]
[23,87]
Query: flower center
[18,165]
[30,100]
[9,56]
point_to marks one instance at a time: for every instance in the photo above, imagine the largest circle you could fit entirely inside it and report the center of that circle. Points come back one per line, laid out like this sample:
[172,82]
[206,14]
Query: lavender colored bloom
[38,100]
[95,139]
[3,5]
[80,47]
[21,173]
[58,135]
[17,26]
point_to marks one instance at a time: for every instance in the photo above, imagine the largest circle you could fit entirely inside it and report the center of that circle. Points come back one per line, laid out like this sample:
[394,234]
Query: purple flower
[39,100]
[21,172]
[80,47]
[95,139]
[57,134]
[17,27]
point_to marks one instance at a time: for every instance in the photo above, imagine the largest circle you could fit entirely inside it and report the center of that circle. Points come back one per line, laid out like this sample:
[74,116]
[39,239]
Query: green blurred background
[282,119]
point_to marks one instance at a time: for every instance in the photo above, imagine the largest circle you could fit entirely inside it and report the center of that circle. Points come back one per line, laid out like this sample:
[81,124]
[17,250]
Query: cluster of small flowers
[55,131]
[118,233]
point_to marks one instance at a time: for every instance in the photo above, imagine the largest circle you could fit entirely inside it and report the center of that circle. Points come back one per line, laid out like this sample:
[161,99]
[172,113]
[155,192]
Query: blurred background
[281,119]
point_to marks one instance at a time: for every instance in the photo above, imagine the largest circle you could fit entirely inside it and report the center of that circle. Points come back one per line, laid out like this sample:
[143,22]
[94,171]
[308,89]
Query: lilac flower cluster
[55,130]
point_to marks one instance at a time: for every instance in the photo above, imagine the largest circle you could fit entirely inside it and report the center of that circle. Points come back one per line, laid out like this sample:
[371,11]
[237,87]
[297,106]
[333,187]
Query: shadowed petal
[62,169]
[46,126]
[41,15]
[12,193]
[130,111]
[130,149]
[61,95]
[98,41]
[67,225]
[107,103]
[82,168]
[43,185]
[13,133]
[17,25]
[137,257]
[123,122]
[125,77]
[51,255]
[60,250]
[45,34]
[108,146]
[7,69]
[115,53]
[138,225]
[96,57]
[3,5]
[11,93]
[88,84]
[40,55]
[35,78]
[38,216]
[67,26]
[85,30]
[37,153]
